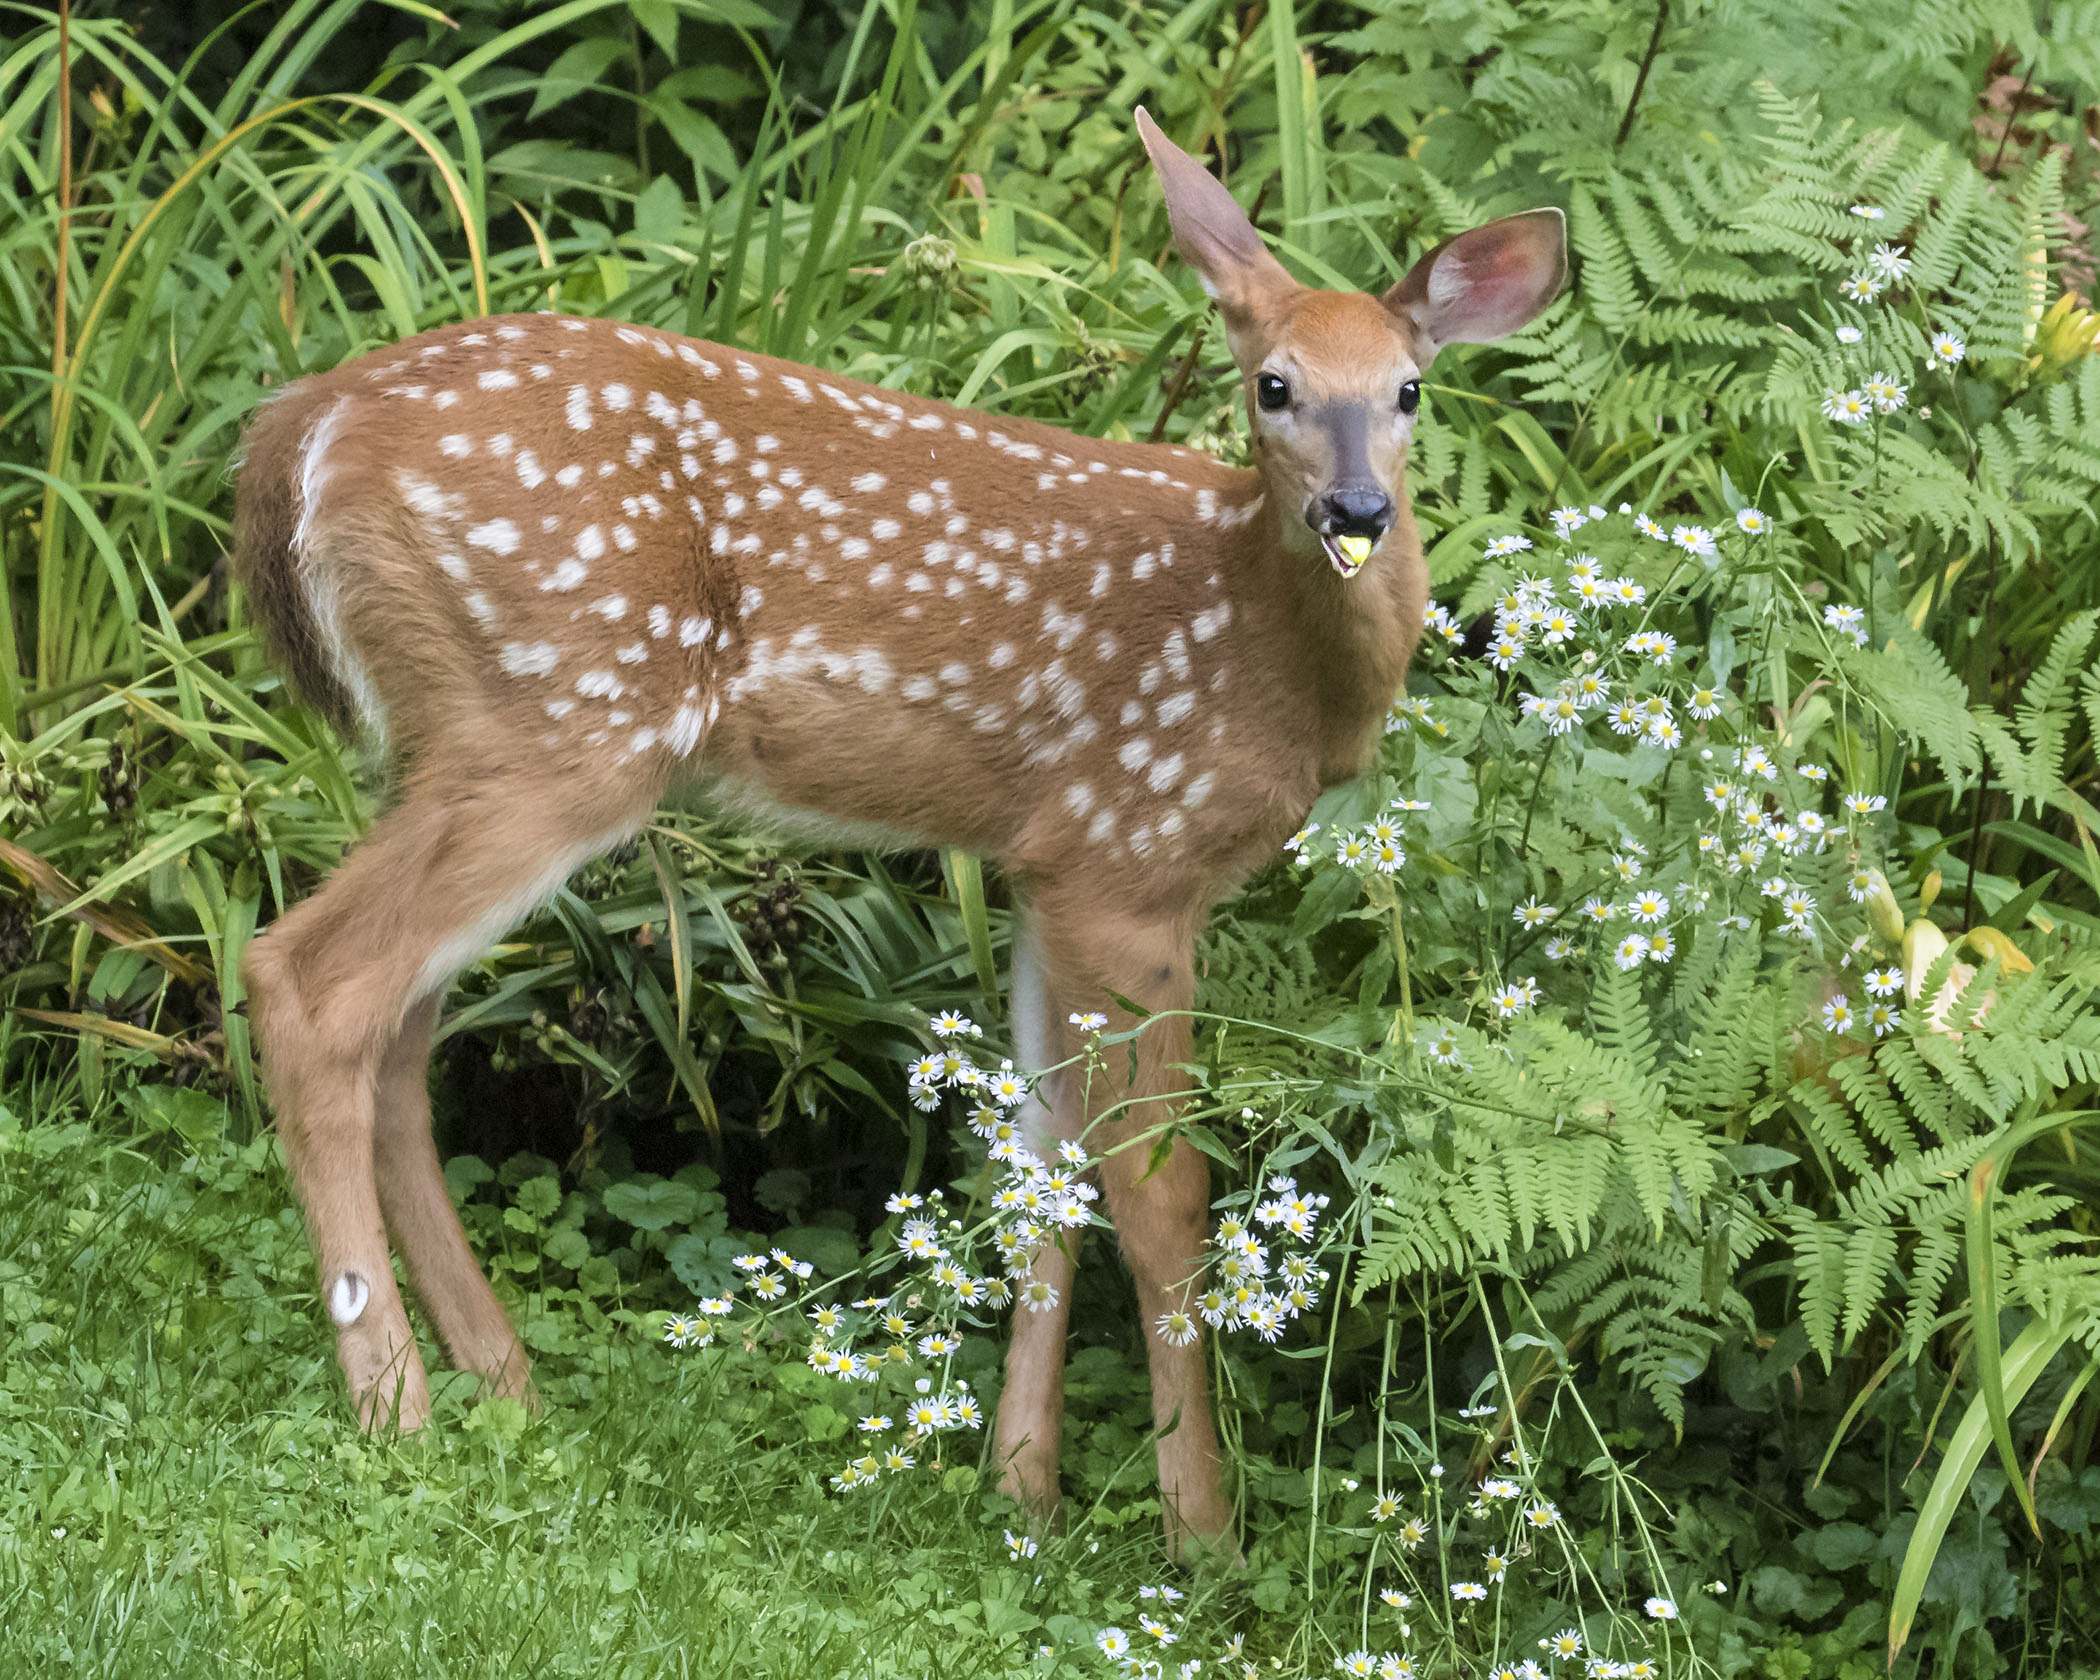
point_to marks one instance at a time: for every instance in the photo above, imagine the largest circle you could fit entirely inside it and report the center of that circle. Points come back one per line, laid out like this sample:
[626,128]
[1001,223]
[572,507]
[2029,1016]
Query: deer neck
[1343,643]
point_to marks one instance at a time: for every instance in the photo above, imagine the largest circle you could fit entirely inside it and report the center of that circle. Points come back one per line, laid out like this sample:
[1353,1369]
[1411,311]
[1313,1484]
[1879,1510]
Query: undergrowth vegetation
[1652,1114]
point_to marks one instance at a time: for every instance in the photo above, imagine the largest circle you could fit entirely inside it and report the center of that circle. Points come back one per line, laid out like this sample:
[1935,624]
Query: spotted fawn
[568,568]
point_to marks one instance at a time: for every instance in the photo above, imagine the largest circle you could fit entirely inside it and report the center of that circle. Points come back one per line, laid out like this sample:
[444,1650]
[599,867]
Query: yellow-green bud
[1883,912]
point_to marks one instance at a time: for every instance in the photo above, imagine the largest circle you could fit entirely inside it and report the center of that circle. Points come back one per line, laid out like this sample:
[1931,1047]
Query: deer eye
[1270,391]
[1410,396]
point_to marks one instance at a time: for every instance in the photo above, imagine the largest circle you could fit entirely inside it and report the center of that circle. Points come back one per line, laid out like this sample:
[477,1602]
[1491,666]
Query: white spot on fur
[578,407]
[529,659]
[1176,655]
[499,536]
[565,577]
[496,379]
[868,483]
[1133,755]
[347,1298]
[422,496]
[683,735]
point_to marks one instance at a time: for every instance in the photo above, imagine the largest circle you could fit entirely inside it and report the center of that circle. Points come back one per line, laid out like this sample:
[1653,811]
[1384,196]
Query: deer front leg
[1160,1210]
[1031,1409]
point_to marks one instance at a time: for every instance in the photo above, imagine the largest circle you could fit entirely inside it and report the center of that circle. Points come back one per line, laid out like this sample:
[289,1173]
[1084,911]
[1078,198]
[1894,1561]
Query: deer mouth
[1347,554]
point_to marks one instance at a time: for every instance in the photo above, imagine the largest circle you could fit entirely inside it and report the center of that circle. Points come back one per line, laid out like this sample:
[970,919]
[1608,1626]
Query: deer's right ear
[1213,234]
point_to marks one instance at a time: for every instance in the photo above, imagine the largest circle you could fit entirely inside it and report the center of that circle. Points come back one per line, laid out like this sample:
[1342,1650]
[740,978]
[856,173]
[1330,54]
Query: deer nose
[1352,510]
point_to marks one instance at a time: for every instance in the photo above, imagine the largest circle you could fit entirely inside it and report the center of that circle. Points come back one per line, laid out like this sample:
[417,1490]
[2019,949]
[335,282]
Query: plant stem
[1633,103]
[1181,379]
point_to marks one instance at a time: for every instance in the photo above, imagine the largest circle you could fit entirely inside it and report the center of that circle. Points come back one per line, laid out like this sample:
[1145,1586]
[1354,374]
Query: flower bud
[1884,914]
[1922,946]
[1990,943]
[927,263]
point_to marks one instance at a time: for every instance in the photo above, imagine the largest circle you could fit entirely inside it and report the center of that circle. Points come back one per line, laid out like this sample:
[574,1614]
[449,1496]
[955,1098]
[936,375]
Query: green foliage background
[1790,1306]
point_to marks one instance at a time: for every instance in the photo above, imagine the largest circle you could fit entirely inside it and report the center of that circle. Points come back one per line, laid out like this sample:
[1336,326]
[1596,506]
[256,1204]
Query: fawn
[568,566]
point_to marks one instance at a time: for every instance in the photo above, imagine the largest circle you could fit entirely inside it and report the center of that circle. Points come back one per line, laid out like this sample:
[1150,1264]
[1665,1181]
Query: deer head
[1333,379]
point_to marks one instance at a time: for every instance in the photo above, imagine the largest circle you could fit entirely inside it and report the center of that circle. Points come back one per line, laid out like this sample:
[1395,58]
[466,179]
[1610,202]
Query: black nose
[1353,510]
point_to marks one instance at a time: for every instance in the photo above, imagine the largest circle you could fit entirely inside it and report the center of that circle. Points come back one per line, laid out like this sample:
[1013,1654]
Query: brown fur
[265,516]
[578,567]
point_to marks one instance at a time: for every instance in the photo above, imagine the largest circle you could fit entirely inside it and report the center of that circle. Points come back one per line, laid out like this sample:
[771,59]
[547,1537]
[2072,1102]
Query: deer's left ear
[1484,284]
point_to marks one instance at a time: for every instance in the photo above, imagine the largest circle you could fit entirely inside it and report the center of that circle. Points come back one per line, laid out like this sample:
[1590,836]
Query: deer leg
[1160,1214]
[1160,1208]
[1032,1404]
[424,1226]
[333,982]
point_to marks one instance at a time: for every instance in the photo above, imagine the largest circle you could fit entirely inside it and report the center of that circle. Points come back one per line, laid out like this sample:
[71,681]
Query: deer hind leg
[333,982]
[423,1225]
[1160,1211]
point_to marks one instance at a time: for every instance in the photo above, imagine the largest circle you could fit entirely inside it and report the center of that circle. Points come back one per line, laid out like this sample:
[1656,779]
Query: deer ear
[1213,234]
[1484,284]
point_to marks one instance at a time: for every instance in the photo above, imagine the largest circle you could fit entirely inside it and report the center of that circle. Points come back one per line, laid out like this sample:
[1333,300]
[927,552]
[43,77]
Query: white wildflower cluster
[876,1340]
[1412,712]
[1375,847]
[1506,1529]
[906,1340]
[1880,1015]
[1263,1271]
[1881,391]
[1779,836]
[1142,1656]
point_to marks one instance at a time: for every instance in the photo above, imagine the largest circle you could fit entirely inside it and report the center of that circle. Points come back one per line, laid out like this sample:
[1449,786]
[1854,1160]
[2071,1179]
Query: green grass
[183,1490]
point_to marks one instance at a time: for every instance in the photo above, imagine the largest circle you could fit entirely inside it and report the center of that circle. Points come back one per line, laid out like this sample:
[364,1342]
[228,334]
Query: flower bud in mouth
[1347,554]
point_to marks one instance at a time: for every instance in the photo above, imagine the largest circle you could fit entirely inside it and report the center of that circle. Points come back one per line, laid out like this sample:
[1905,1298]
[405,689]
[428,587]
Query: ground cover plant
[1652,1116]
